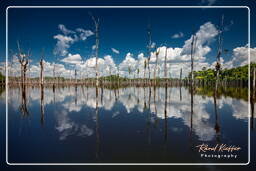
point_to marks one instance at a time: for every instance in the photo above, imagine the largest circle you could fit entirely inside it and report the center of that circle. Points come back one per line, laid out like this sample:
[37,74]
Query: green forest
[238,73]
[2,78]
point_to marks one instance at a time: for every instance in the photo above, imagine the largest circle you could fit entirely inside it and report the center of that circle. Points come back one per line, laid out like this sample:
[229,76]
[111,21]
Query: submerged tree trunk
[97,125]
[165,115]
[96,23]
[149,51]
[254,77]
[193,45]
[156,65]
[42,104]
[41,72]
[180,76]
[165,64]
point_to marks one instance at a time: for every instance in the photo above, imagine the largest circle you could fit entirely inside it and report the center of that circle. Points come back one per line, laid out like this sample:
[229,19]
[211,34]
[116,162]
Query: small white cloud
[178,35]
[72,59]
[115,50]
[93,47]
[65,30]
[84,33]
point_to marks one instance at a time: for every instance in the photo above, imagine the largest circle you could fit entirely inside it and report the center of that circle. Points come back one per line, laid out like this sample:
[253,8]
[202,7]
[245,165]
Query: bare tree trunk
[149,51]
[41,72]
[96,54]
[165,115]
[42,104]
[96,23]
[192,60]
[156,65]
[180,76]
[53,74]
[165,64]
[145,66]
[254,77]
[218,65]
[21,74]
[75,76]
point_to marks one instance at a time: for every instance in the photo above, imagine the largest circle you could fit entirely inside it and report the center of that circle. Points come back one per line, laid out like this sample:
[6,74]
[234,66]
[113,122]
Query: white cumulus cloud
[178,35]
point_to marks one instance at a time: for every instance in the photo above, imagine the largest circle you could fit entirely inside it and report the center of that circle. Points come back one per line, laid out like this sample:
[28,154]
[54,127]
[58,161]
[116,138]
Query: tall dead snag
[193,46]
[23,60]
[138,74]
[129,71]
[220,42]
[165,64]
[254,77]
[149,49]
[156,64]
[42,103]
[42,68]
[118,84]
[53,73]
[218,66]
[165,115]
[180,76]
[75,76]
[145,67]
[96,23]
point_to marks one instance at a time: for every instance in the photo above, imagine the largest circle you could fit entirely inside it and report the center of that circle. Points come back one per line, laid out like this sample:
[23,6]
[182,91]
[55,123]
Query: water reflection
[73,99]
[80,111]
[42,103]
[23,106]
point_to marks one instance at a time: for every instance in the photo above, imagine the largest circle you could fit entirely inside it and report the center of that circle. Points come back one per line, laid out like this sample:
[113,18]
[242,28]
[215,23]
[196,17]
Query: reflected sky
[139,124]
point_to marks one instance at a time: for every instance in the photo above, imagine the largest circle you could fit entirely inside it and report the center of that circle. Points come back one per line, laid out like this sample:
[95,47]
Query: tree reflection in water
[191,110]
[42,103]
[23,106]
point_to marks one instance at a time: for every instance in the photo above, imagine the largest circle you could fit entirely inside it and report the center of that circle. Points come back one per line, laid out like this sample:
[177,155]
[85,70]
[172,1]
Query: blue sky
[122,29]
[125,30]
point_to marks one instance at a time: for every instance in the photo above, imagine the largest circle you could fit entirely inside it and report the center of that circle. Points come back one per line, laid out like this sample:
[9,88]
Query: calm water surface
[138,125]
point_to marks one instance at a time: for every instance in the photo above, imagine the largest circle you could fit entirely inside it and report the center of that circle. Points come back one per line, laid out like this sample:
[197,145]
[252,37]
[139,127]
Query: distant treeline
[233,74]
[234,77]
[2,78]
[233,92]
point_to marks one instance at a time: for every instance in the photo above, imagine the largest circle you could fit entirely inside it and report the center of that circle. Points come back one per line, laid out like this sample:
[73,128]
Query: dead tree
[217,67]
[193,46]
[42,104]
[118,83]
[96,23]
[42,68]
[254,77]
[220,43]
[145,67]
[165,64]
[180,74]
[156,64]
[23,60]
[149,48]
[53,73]
[75,76]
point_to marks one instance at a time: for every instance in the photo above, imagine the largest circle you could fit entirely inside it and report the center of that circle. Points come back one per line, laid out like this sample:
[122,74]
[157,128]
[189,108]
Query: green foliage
[234,92]
[2,77]
[238,73]
[113,78]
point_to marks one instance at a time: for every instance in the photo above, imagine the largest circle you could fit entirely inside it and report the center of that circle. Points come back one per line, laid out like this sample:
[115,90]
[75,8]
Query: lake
[126,125]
